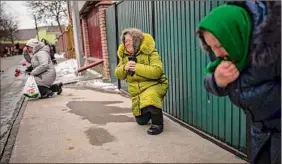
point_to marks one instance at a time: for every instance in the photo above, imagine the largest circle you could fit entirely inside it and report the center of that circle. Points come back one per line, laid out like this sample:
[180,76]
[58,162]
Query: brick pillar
[84,28]
[102,20]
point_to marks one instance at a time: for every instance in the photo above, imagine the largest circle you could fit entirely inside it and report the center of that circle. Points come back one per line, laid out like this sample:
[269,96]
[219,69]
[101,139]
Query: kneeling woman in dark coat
[244,40]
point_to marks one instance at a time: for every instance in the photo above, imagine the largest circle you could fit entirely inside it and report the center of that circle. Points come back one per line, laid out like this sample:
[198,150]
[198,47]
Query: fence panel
[112,41]
[135,14]
[173,24]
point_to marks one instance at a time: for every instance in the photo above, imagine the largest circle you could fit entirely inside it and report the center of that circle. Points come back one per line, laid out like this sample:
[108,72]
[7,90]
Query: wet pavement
[86,126]
[11,96]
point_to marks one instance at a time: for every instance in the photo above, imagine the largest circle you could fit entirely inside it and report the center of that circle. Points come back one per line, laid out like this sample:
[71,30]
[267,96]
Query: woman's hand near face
[25,49]
[225,73]
[130,65]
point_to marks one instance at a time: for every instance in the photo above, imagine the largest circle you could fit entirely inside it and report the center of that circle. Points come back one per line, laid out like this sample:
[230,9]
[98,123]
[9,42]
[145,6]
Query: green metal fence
[173,25]
[133,14]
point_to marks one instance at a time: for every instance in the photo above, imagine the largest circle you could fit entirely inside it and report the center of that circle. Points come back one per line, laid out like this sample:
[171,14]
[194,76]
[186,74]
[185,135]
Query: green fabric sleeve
[120,72]
[152,71]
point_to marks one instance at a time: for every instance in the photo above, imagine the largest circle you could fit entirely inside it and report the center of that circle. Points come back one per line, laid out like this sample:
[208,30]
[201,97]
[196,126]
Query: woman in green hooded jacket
[244,43]
[141,66]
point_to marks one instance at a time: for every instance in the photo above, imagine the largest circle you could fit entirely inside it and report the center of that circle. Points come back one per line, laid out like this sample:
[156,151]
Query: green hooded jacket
[149,85]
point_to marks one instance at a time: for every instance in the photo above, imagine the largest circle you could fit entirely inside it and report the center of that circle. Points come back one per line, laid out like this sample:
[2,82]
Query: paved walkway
[87,126]
[11,98]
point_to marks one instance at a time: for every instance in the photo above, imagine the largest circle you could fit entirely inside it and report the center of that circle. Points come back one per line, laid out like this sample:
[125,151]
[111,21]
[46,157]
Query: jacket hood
[35,44]
[147,46]
[231,25]
[266,34]
[46,48]
[38,47]
[265,46]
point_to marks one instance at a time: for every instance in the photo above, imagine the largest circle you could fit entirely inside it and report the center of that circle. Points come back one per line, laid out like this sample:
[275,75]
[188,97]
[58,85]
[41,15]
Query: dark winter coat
[258,89]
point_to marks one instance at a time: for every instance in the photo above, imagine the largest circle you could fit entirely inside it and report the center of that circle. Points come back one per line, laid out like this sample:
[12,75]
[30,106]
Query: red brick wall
[84,28]
[102,21]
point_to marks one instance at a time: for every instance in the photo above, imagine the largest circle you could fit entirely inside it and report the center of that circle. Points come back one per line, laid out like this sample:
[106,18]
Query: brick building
[93,32]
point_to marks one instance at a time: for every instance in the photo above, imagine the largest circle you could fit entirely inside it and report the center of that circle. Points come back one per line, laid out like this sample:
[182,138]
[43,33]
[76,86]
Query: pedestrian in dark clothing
[244,42]
[52,54]
[51,51]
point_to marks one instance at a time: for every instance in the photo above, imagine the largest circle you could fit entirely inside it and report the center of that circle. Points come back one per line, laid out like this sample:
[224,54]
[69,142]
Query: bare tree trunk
[11,36]
[59,24]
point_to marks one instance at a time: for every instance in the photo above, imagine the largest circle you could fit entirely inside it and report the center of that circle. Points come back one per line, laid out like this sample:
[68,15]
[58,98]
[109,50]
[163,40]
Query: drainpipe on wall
[77,33]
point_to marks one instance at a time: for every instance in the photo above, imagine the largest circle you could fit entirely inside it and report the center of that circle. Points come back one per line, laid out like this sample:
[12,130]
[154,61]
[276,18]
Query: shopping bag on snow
[31,89]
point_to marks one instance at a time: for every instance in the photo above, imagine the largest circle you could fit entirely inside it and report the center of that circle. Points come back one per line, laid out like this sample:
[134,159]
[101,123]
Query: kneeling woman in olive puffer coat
[141,66]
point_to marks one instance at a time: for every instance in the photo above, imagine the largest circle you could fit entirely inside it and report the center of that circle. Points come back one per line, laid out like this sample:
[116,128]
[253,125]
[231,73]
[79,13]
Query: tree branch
[49,10]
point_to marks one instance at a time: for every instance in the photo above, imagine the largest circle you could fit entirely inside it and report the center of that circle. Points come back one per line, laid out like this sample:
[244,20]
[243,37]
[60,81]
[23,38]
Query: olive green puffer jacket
[149,85]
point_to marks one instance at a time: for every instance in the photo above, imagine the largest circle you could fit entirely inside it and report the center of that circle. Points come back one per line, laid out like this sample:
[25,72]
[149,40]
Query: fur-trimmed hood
[265,47]
[147,46]
[266,44]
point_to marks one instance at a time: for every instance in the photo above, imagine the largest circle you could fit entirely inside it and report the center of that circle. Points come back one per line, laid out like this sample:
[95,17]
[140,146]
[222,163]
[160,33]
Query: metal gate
[173,25]
[94,34]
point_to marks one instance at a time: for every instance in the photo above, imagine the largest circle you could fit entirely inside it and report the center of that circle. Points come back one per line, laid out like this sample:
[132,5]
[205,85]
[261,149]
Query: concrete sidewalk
[82,126]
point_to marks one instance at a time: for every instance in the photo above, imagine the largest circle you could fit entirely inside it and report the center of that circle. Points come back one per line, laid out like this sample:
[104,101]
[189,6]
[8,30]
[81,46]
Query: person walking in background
[244,42]
[141,66]
[42,68]
[5,52]
[51,51]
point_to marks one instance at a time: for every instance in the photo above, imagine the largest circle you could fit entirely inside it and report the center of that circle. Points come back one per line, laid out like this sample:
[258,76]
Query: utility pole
[35,21]
[76,33]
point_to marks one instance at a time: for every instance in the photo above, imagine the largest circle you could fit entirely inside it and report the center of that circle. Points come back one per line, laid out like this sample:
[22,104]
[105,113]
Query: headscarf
[231,25]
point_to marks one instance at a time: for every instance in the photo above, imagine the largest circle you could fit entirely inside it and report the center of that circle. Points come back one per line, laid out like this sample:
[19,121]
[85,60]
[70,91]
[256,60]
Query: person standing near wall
[51,51]
[244,42]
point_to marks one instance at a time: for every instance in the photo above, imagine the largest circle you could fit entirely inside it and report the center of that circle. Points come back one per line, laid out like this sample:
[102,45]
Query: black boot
[57,88]
[155,129]
[45,92]
[157,121]
[60,90]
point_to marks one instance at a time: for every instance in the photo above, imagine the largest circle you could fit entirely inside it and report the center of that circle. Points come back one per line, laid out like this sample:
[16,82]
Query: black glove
[29,69]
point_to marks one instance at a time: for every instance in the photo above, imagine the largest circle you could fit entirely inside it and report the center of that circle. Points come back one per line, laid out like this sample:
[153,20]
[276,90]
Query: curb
[94,89]
[11,139]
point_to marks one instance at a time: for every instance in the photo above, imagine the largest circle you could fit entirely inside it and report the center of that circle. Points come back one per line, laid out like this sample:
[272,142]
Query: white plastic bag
[31,89]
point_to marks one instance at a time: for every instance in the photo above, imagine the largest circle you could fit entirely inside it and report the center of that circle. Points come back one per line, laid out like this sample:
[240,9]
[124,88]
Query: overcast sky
[17,8]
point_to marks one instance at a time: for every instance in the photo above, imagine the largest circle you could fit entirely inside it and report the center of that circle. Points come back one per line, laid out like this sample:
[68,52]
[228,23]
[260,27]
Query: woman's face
[214,45]
[27,49]
[128,43]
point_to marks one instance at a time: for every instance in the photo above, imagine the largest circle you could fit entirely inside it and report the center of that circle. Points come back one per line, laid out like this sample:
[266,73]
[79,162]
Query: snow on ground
[98,84]
[67,73]
[59,55]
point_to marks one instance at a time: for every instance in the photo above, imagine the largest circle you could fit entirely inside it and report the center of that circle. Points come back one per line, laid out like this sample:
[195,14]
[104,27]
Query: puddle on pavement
[70,148]
[114,153]
[70,94]
[77,98]
[98,112]
[99,136]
